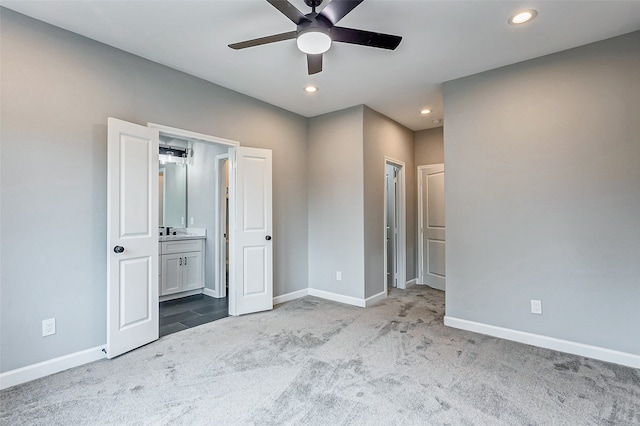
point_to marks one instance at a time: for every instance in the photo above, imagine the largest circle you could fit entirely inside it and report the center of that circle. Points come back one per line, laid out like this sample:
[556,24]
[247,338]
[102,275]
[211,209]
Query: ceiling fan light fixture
[314,41]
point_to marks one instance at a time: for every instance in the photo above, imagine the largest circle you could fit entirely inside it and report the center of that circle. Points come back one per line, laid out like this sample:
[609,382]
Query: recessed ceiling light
[311,89]
[523,16]
[425,111]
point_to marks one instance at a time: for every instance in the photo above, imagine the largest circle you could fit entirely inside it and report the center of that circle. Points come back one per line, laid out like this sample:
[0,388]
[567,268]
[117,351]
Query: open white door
[250,245]
[132,236]
[432,226]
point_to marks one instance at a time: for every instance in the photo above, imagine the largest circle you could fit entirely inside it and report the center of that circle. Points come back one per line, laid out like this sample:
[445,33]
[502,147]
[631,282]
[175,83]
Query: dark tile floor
[180,314]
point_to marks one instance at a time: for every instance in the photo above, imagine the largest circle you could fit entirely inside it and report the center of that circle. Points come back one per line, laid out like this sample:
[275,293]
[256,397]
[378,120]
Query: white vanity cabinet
[182,266]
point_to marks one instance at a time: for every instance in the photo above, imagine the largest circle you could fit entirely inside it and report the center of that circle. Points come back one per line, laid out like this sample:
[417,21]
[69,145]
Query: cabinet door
[171,273]
[192,268]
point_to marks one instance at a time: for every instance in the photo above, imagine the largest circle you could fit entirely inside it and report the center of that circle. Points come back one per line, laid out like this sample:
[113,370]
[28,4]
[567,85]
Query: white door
[432,229]
[132,236]
[250,245]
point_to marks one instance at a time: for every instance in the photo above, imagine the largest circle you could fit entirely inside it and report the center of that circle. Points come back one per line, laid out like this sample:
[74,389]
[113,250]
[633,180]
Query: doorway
[191,181]
[134,248]
[394,225]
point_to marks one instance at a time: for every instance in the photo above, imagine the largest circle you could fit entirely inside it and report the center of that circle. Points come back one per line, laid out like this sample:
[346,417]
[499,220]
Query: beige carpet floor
[316,362]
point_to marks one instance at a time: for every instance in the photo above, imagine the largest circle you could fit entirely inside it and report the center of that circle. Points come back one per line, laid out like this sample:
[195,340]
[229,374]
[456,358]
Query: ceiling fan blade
[337,9]
[263,40]
[365,38]
[288,10]
[314,63]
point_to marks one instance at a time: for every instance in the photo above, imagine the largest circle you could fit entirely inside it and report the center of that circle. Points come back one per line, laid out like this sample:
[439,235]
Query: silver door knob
[118,249]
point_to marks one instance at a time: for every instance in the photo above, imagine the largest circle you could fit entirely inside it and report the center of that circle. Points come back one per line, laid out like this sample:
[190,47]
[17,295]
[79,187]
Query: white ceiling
[442,40]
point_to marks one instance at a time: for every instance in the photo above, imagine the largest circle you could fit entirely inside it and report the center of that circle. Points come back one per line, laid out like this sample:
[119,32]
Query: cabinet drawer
[181,246]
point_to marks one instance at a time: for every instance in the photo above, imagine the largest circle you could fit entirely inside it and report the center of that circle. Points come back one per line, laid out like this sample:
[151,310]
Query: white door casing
[392,225]
[431,216]
[221,233]
[132,225]
[250,245]
[400,232]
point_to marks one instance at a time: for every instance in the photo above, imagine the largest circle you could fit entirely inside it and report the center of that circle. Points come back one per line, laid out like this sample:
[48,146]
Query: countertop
[180,237]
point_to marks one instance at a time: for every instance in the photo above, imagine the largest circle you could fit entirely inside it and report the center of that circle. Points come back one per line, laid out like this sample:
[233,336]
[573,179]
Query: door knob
[268,237]
[118,249]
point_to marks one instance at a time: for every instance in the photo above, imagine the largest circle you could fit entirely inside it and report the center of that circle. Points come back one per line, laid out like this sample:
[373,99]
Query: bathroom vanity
[181,260]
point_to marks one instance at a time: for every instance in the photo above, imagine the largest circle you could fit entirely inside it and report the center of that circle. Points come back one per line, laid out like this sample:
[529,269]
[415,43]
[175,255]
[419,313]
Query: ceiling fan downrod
[313,4]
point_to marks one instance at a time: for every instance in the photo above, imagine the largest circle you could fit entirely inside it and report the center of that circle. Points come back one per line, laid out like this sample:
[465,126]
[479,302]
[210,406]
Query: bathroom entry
[132,231]
[394,222]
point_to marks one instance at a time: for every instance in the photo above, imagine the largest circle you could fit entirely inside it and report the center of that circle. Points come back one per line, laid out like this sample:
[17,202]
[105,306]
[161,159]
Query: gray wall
[384,137]
[346,199]
[336,205]
[202,183]
[428,146]
[543,195]
[57,91]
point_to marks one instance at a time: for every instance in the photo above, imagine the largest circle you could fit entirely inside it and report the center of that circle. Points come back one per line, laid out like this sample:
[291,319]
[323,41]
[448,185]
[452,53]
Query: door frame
[401,215]
[221,249]
[200,137]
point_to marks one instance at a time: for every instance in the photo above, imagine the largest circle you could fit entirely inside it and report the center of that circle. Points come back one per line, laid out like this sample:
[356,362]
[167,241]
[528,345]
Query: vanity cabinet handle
[180,261]
[185,261]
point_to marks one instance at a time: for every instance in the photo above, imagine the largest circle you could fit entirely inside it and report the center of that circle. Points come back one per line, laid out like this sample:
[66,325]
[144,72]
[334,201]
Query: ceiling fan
[316,31]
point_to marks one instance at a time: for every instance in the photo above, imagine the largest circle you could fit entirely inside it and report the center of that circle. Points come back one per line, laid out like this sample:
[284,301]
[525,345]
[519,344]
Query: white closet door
[432,226]
[251,244]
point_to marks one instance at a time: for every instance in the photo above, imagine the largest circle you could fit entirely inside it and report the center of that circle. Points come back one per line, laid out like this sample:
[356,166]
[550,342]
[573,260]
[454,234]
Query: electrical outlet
[536,307]
[338,276]
[48,327]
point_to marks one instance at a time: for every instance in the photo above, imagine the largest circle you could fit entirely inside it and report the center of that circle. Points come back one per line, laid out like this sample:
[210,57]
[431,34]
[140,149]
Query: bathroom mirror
[172,191]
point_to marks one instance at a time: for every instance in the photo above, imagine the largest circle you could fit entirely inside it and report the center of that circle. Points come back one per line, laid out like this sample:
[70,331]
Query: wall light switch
[338,276]
[192,221]
[536,307]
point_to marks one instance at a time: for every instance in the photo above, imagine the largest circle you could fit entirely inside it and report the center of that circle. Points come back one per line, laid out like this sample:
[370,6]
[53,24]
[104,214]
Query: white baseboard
[370,301]
[180,295]
[209,292]
[363,303]
[52,366]
[349,300]
[595,352]
[411,283]
[290,296]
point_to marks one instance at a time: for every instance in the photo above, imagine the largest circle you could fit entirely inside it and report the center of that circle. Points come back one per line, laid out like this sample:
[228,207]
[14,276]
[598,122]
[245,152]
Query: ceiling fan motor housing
[315,22]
